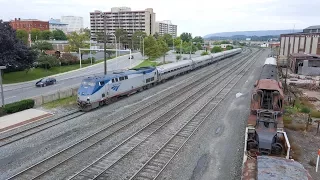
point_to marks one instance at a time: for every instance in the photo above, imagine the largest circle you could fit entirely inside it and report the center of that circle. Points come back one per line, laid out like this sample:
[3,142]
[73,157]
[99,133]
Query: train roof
[121,73]
[271,60]
[274,168]
[175,64]
[269,71]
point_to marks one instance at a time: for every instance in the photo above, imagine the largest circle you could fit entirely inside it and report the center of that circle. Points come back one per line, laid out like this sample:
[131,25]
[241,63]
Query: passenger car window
[121,78]
[126,77]
[113,80]
[116,79]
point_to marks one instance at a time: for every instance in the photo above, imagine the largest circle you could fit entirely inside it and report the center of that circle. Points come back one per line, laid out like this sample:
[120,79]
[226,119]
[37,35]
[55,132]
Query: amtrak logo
[115,87]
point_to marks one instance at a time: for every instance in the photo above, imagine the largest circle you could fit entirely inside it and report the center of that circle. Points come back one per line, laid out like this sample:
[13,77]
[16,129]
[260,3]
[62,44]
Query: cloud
[198,17]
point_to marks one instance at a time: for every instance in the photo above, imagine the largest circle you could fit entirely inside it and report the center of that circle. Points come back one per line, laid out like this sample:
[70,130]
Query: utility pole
[190,49]
[285,80]
[105,44]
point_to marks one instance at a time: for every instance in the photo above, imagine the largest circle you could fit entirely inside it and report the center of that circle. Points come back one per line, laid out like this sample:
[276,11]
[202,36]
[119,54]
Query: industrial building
[166,27]
[75,23]
[304,64]
[28,24]
[122,18]
[56,24]
[303,42]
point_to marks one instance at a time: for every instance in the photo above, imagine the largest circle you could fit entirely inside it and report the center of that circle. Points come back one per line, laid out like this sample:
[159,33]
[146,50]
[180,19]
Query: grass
[37,73]
[146,63]
[61,102]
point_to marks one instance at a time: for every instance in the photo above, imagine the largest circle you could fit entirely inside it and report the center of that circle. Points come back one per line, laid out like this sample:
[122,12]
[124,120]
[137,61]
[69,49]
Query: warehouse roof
[306,55]
[313,27]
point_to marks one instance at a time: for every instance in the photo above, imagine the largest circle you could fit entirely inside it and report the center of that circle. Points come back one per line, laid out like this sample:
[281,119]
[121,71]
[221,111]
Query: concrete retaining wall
[39,100]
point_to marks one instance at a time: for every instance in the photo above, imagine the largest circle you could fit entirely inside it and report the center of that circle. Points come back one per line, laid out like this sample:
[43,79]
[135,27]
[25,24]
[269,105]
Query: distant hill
[250,33]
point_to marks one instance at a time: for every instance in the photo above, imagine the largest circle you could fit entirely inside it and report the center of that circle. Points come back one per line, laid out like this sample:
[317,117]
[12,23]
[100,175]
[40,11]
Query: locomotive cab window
[116,79]
[101,83]
[121,78]
[126,77]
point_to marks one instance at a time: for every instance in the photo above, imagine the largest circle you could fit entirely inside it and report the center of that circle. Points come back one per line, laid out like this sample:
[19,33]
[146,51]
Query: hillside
[251,33]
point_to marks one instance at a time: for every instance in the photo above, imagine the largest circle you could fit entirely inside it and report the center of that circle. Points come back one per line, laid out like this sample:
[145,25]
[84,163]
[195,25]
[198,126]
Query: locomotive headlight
[88,98]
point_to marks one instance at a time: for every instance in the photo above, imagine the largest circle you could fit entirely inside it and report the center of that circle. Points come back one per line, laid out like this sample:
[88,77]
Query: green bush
[204,53]
[19,106]
[305,110]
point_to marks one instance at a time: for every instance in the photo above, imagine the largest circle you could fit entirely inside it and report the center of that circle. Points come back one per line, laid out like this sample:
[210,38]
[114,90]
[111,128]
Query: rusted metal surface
[250,170]
[269,84]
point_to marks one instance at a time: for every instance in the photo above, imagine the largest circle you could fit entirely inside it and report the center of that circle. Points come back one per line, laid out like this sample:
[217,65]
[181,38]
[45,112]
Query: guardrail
[60,94]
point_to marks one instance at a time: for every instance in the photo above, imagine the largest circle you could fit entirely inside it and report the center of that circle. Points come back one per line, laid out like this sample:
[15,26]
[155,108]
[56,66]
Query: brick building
[28,24]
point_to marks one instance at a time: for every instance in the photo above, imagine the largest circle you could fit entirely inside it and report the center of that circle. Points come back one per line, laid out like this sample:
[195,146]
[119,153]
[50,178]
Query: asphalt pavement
[19,91]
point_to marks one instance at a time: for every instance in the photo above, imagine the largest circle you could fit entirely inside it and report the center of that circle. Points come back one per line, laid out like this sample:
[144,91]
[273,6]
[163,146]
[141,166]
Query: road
[25,90]
[19,91]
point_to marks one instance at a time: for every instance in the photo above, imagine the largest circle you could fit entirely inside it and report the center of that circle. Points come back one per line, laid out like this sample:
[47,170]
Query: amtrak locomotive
[99,90]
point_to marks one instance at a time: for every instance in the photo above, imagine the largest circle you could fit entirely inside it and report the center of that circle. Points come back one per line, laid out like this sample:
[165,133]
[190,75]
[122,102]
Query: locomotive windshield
[88,83]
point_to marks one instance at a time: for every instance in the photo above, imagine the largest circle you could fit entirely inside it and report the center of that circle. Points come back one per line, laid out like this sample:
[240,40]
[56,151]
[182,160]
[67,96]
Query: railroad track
[112,157]
[36,128]
[57,159]
[13,137]
[160,160]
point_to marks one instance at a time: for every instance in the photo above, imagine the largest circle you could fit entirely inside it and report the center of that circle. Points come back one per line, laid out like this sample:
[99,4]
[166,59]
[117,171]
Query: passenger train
[99,90]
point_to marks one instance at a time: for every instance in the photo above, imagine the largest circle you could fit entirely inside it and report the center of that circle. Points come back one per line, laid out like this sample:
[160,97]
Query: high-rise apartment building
[166,27]
[75,23]
[122,18]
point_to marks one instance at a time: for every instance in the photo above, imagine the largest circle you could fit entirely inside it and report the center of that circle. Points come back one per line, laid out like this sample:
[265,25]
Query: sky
[199,17]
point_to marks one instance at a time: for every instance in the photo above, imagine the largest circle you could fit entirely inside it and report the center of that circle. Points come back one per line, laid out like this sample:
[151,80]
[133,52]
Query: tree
[35,34]
[198,39]
[168,39]
[135,39]
[229,47]
[156,35]
[22,35]
[225,42]
[46,61]
[151,48]
[163,49]
[42,46]
[199,46]
[122,35]
[186,36]
[46,35]
[59,35]
[77,41]
[14,54]
[216,49]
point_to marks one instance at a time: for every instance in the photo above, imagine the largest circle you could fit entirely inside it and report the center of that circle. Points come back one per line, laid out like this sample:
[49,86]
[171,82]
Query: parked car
[46,82]
[131,57]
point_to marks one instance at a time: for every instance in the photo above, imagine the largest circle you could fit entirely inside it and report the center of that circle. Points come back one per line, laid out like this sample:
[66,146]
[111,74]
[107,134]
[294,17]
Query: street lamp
[115,42]
[2,95]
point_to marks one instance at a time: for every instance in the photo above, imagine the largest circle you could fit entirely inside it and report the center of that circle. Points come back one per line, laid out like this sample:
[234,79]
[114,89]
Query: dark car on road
[46,82]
